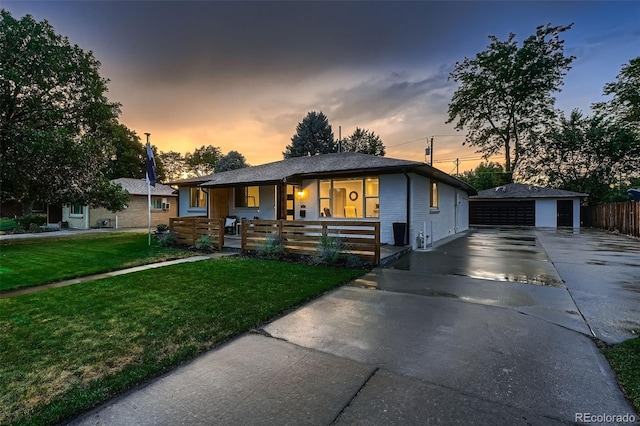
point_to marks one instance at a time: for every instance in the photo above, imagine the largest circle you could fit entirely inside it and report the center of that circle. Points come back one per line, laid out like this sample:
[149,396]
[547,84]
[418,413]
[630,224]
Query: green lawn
[67,349]
[625,361]
[33,261]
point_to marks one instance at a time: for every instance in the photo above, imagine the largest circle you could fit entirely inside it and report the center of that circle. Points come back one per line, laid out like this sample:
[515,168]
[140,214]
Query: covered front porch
[360,238]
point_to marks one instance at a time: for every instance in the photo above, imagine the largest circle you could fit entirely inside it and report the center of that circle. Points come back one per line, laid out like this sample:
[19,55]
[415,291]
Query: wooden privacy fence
[188,230]
[618,217]
[361,239]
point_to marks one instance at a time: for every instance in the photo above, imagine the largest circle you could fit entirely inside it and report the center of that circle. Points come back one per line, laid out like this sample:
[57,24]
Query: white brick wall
[393,204]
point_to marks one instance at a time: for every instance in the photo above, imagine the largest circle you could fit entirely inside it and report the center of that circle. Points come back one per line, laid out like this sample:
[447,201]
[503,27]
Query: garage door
[517,213]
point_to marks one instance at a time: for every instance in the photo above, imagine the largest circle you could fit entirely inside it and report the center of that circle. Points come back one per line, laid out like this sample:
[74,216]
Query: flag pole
[149,159]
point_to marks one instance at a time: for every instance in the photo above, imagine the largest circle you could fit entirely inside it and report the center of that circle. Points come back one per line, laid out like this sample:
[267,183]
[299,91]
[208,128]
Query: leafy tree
[233,160]
[203,160]
[594,155]
[55,119]
[173,164]
[486,175]
[625,105]
[128,154]
[313,136]
[505,92]
[365,142]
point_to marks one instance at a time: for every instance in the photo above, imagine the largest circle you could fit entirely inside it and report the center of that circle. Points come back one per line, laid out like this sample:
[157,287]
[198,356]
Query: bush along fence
[189,230]
[623,218]
[361,239]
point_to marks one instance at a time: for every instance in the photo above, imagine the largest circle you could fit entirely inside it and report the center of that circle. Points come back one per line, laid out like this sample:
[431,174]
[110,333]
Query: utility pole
[457,165]
[429,151]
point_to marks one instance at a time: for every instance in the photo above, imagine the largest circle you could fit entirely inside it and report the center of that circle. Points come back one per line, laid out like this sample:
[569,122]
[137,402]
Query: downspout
[206,191]
[407,233]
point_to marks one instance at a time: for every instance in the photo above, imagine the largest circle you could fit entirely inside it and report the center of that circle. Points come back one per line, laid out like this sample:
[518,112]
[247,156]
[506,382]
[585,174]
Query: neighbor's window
[76,210]
[156,203]
[247,196]
[349,198]
[433,198]
[197,197]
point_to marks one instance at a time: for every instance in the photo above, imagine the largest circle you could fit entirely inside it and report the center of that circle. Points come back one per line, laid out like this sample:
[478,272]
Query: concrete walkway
[482,330]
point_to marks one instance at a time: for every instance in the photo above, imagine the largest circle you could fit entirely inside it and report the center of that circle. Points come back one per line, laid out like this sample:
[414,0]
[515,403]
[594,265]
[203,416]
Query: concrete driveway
[481,330]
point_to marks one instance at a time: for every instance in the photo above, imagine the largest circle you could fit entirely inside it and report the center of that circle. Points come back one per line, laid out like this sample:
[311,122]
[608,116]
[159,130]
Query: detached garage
[518,204]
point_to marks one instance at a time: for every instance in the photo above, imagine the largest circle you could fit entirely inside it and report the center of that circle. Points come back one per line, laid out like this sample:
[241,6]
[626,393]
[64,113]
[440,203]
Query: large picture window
[197,197]
[247,196]
[349,198]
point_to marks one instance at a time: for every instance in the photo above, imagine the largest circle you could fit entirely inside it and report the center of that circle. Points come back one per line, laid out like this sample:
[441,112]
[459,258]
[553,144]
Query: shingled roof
[521,190]
[293,170]
[139,187]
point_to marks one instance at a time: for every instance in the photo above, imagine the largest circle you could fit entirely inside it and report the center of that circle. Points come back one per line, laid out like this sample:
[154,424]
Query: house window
[247,196]
[197,197]
[156,203]
[349,198]
[433,196]
[76,210]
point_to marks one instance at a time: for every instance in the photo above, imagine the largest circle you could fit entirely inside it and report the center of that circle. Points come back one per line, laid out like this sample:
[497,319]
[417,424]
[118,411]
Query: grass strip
[625,361]
[34,261]
[68,349]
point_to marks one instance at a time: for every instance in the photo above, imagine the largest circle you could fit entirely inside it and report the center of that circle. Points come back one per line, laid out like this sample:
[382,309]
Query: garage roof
[521,190]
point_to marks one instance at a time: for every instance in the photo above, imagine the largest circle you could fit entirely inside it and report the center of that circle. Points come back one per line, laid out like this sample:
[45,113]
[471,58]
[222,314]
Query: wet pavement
[481,330]
[602,273]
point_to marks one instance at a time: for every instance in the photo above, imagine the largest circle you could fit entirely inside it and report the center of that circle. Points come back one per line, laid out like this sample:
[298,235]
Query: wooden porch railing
[361,239]
[188,230]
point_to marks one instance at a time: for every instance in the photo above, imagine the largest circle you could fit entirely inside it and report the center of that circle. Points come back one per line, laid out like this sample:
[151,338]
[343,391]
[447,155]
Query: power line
[404,143]
[426,137]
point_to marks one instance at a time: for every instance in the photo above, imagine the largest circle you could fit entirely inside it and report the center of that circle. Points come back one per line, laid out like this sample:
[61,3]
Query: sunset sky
[242,75]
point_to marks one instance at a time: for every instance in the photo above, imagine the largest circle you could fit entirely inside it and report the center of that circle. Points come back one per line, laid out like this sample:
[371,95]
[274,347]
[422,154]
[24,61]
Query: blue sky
[241,75]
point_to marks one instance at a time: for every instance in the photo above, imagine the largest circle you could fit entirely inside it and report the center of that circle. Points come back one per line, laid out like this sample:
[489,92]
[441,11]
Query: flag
[151,166]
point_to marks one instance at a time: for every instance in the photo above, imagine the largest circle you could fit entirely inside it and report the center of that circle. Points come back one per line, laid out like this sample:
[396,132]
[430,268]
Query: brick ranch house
[338,186]
[135,215]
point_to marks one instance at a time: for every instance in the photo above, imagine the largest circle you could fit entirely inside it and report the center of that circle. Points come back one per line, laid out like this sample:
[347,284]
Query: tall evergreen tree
[313,136]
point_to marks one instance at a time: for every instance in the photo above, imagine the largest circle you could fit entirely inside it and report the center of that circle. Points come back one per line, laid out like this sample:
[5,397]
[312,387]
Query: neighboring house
[520,204]
[135,215]
[339,186]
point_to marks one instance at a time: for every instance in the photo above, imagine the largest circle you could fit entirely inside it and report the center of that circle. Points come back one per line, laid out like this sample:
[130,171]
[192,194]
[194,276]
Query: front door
[54,213]
[565,213]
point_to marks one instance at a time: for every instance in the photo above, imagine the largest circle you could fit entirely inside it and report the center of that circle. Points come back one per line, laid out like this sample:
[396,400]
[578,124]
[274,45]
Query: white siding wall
[76,221]
[463,211]
[309,200]
[184,209]
[546,213]
[420,193]
[444,221]
[576,214]
[266,211]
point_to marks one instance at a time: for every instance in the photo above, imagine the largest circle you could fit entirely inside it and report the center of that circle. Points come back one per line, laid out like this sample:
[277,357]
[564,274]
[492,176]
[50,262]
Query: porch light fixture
[300,193]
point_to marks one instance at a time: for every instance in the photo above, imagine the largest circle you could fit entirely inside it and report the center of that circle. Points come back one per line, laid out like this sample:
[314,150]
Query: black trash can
[399,232]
